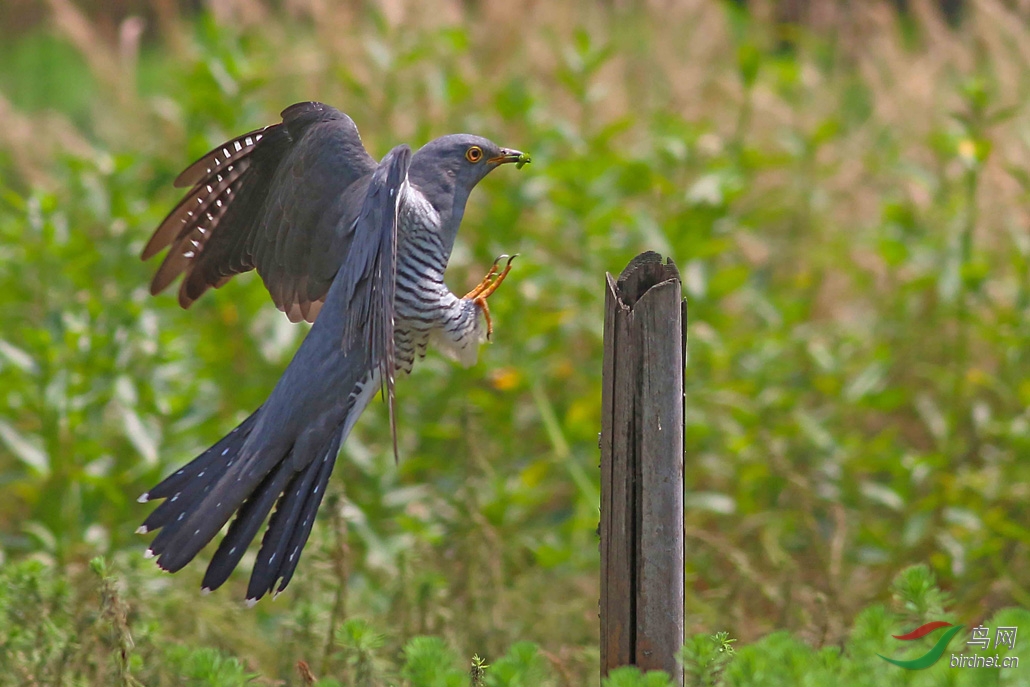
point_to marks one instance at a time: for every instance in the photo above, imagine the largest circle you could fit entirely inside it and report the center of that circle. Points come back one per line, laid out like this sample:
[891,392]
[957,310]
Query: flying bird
[359,248]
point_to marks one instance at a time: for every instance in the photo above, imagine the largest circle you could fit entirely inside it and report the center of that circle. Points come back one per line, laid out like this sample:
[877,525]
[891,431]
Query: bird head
[465,158]
[447,169]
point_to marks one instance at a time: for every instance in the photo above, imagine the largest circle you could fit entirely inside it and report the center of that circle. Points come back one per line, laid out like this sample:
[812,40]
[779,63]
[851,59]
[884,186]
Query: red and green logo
[934,654]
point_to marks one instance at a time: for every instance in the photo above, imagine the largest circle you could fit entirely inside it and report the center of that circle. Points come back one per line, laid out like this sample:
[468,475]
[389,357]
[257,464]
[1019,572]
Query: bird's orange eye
[474,154]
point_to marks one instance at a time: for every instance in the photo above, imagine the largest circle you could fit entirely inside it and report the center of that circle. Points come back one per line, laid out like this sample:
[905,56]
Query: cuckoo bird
[357,248]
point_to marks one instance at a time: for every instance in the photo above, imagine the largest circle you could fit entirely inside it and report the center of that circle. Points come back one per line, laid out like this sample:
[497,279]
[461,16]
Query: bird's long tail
[208,490]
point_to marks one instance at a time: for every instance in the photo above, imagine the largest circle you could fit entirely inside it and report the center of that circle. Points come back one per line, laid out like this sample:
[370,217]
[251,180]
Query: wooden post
[642,468]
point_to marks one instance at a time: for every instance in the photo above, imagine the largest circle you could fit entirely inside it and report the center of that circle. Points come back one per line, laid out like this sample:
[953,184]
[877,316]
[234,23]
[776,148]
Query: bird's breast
[421,297]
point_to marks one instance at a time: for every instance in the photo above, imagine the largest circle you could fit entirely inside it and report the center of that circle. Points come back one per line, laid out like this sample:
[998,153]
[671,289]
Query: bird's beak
[508,155]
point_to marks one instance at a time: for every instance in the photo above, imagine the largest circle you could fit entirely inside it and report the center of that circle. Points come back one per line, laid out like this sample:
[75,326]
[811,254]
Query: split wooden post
[645,333]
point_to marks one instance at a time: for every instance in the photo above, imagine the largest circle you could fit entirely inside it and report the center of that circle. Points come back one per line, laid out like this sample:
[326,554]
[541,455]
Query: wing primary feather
[388,364]
[190,210]
[370,274]
[189,245]
[221,157]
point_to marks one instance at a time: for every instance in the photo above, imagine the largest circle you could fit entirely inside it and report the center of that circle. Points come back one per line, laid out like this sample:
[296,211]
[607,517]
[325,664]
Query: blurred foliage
[850,219]
[101,629]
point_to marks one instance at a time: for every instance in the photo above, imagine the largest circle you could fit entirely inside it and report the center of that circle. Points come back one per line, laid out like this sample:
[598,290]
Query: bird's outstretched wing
[282,199]
[284,453]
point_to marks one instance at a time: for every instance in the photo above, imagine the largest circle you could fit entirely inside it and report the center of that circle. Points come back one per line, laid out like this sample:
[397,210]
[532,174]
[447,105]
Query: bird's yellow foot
[486,287]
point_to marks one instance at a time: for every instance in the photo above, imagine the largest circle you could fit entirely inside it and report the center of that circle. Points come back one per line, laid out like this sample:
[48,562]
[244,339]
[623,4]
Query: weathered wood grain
[642,409]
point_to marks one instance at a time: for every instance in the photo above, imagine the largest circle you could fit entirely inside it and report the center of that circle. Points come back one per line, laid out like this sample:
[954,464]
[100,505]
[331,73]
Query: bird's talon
[481,302]
[487,291]
[486,287]
[486,280]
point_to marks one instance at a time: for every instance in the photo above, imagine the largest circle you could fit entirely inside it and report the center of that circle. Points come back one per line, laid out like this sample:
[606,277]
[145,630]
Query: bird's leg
[486,287]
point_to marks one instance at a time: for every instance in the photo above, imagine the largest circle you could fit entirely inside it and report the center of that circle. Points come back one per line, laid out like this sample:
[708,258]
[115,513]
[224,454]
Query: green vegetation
[54,632]
[850,218]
